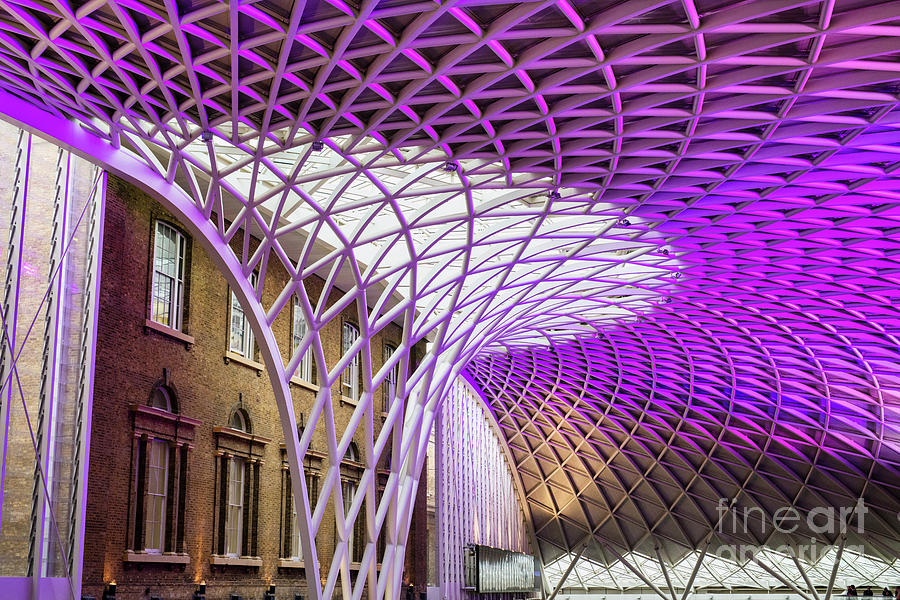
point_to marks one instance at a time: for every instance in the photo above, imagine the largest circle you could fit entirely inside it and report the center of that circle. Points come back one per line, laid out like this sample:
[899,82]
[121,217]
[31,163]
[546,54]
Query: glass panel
[297,549]
[48,216]
[304,369]
[390,383]
[155,500]
[237,421]
[160,399]
[349,492]
[234,513]
[350,376]
[241,338]
[168,276]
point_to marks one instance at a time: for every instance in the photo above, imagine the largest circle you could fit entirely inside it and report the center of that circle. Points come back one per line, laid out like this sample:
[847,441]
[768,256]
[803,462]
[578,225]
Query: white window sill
[168,558]
[349,400]
[167,331]
[234,356]
[305,384]
[230,561]
[291,563]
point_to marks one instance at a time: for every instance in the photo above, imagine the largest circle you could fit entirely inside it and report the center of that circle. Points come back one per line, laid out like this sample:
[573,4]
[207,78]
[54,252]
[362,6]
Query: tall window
[350,376]
[241,338]
[155,501]
[166,303]
[348,491]
[298,331]
[296,547]
[292,548]
[234,516]
[290,524]
[238,464]
[389,389]
[161,443]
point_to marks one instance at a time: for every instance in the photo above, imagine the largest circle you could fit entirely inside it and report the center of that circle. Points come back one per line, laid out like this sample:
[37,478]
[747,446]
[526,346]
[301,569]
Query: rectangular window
[349,492]
[389,389]
[234,515]
[155,501]
[298,331]
[350,376]
[241,338]
[166,303]
[297,553]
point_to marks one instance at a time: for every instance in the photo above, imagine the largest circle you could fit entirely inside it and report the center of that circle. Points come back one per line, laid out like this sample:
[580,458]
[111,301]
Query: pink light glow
[418,59]
[466,20]
[379,30]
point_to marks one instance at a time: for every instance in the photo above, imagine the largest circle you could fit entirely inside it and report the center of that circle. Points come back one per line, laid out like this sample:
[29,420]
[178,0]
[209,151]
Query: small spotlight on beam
[318,146]
[554,195]
[206,135]
[624,223]
[451,167]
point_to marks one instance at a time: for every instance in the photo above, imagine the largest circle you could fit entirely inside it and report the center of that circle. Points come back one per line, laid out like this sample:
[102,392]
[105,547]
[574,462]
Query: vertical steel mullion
[41,540]
[86,383]
[11,293]
[438,499]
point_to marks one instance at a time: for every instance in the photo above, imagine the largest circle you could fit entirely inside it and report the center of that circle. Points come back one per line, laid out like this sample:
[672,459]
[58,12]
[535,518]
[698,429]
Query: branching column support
[570,568]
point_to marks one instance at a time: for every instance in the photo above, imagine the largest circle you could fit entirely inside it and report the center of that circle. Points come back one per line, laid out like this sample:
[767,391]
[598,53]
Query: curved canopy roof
[662,234]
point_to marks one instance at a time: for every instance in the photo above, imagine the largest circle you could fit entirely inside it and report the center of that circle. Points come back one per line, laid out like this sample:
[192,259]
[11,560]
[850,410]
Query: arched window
[157,502]
[352,453]
[237,489]
[162,398]
[239,420]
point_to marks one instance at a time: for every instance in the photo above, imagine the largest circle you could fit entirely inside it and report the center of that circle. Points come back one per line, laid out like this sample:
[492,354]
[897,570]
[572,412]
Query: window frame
[234,531]
[160,500]
[161,441]
[350,478]
[304,367]
[175,312]
[351,375]
[291,553]
[248,341]
[389,386]
[239,456]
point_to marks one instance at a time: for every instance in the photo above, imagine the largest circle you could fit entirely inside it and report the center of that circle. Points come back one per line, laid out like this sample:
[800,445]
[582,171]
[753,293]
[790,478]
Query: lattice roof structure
[688,208]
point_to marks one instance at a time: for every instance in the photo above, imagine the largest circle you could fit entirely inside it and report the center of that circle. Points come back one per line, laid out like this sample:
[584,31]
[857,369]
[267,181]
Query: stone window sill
[230,561]
[233,356]
[167,331]
[290,563]
[349,400]
[305,384]
[168,558]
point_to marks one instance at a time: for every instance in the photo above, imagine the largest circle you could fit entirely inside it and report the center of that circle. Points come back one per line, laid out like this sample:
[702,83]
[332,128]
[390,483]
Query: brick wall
[130,361]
